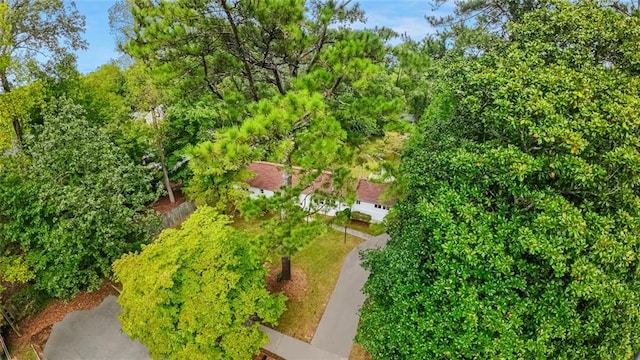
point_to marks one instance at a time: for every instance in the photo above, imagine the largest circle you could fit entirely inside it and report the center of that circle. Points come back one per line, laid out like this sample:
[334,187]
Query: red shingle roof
[371,192]
[322,183]
[269,177]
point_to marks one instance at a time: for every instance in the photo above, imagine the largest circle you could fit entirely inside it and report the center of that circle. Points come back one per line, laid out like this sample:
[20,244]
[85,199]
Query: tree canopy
[74,205]
[203,293]
[519,237]
[33,31]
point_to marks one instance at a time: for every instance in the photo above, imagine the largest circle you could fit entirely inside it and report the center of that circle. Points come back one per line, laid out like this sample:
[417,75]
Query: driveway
[93,334]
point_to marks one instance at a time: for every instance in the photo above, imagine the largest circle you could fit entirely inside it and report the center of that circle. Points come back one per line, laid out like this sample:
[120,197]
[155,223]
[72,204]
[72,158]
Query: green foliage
[293,129]
[415,72]
[20,104]
[290,230]
[290,129]
[240,52]
[28,301]
[343,217]
[377,228]
[518,237]
[72,207]
[202,293]
[359,216]
[32,31]
[102,93]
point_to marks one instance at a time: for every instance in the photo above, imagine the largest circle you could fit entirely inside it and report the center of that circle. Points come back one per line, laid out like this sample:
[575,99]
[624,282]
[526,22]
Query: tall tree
[33,30]
[256,50]
[295,129]
[147,96]
[75,205]
[518,236]
[21,104]
[202,295]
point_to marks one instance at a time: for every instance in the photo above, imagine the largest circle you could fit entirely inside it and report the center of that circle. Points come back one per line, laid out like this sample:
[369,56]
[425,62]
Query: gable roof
[370,192]
[269,176]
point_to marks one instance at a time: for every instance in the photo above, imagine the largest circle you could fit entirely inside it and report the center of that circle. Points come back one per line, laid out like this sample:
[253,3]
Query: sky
[403,16]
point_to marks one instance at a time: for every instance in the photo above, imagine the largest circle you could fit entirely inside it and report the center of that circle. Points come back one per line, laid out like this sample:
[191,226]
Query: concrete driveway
[95,334]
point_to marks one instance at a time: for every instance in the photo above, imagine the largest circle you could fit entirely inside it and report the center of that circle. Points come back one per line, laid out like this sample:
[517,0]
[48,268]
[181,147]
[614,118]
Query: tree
[147,96]
[293,130]
[107,99]
[33,30]
[517,236]
[240,52]
[75,205]
[20,104]
[203,293]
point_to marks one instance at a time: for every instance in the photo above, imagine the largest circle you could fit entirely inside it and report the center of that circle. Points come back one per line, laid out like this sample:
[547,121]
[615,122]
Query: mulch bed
[293,289]
[163,205]
[36,329]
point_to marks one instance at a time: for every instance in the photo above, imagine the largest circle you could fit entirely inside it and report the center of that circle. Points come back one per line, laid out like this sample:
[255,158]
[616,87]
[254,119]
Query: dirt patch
[293,289]
[266,355]
[36,330]
[163,205]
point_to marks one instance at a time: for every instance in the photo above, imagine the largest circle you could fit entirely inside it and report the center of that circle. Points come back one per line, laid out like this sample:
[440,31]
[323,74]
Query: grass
[252,227]
[359,353]
[321,261]
[25,352]
[365,228]
[373,153]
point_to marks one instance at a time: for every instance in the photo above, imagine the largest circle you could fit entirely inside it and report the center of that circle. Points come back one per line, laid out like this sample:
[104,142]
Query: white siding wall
[255,192]
[377,215]
[305,203]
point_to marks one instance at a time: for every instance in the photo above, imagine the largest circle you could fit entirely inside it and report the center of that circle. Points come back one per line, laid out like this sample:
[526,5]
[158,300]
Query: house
[369,201]
[270,178]
[147,116]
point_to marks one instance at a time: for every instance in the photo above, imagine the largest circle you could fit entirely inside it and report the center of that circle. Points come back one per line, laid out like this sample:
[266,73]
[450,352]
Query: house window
[357,202]
[383,207]
[377,206]
[261,191]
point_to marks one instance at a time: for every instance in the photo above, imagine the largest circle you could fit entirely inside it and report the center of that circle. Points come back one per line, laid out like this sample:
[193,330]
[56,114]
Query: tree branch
[206,78]
[242,55]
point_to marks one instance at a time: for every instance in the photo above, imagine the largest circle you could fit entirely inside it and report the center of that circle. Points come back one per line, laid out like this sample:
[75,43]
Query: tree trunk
[345,232]
[286,268]
[165,173]
[6,86]
[288,181]
[18,130]
[17,127]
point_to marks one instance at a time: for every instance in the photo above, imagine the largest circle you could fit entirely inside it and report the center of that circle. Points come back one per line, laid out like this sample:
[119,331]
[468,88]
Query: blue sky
[404,16]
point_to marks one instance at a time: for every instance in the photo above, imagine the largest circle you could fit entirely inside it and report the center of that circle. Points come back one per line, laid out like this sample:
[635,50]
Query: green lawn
[374,230]
[321,260]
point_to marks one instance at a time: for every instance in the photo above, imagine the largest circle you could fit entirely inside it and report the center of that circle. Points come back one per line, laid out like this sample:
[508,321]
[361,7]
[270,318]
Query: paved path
[293,349]
[95,334]
[339,322]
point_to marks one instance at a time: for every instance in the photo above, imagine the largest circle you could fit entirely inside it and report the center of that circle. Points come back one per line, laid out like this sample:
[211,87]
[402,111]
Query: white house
[369,200]
[270,178]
